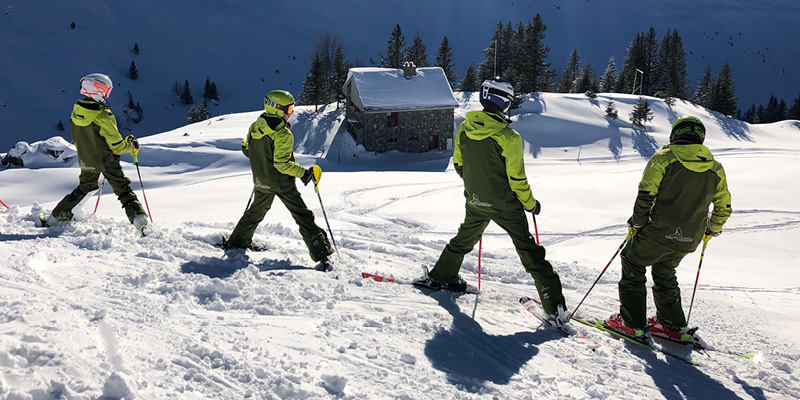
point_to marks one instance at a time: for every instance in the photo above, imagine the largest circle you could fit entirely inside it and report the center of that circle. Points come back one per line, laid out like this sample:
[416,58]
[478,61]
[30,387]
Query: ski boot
[616,324]
[683,336]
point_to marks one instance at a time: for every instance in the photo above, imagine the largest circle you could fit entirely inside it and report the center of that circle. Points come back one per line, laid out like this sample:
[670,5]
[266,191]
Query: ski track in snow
[89,310]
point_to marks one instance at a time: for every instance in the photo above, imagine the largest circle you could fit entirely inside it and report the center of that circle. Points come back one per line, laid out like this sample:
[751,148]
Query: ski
[534,306]
[379,278]
[598,324]
[756,358]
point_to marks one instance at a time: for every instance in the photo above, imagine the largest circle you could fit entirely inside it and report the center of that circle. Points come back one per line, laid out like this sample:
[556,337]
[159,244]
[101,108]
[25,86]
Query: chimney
[409,69]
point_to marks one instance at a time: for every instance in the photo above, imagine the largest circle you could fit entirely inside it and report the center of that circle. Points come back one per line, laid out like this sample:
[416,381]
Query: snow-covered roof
[386,89]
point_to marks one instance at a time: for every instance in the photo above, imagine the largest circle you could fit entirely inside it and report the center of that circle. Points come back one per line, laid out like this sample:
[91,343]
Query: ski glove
[308,176]
[134,142]
[711,234]
[537,208]
[632,229]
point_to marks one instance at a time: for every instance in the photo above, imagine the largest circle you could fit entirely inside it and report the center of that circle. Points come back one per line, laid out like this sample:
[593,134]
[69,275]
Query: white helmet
[497,91]
[96,86]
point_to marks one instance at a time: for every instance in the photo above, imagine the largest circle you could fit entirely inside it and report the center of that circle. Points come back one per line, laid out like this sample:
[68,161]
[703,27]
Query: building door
[433,142]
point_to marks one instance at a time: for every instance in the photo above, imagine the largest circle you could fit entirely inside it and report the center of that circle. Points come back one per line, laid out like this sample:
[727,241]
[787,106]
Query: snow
[90,310]
[387,89]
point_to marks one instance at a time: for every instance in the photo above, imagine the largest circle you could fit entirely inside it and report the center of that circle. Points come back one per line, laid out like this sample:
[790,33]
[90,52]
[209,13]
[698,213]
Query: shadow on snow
[216,267]
[470,357]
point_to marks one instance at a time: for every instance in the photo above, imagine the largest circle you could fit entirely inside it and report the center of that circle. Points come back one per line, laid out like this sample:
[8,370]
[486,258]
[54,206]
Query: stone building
[409,109]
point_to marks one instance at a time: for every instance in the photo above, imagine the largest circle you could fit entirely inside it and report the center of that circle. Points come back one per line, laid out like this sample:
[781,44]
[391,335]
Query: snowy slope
[89,309]
[248,48]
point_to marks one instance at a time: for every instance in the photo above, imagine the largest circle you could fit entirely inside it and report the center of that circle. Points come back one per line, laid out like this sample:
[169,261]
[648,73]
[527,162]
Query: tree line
[651,67]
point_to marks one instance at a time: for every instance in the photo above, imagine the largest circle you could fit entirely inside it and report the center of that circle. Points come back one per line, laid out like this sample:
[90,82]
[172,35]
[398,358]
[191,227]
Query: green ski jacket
[270,147]
[677,187]
[95,134]
[488,156]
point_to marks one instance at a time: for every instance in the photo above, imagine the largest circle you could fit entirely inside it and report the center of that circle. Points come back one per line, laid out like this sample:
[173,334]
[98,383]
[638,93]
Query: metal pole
[4,204]
[696,279]
[630,235]
[136,161]
[480,249]
[99,193]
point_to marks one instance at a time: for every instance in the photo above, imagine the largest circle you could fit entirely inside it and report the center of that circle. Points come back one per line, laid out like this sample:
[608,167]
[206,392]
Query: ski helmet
[97,87]
[497,91]
[278,103]
[687,130]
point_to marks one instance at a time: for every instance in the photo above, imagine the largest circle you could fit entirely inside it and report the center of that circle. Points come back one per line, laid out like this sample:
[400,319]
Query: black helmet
[687,130]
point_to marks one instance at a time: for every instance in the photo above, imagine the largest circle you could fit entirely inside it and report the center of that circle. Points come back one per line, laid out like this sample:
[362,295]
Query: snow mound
[53,151]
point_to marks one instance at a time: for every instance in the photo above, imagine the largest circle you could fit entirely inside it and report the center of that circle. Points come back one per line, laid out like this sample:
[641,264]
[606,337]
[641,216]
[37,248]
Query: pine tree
[491,65]
[672,78]
[641,114]
[571,73]
[783,112]
[133,73]
[702,96]
[444,60]
[541,73]
[136,48]
[340,70]
[131,105]
[651,71]
[635,59]
[311,93]
[186,94]
[723,92]
[750,115]
[206,89]
[587,81]
[611,110]
[395,47]
[470,82]
[192,115]
[60,125]
[417,53]
[609,80]
[771,110]
[794,111]
[210,90]
[202,113]
[72,25]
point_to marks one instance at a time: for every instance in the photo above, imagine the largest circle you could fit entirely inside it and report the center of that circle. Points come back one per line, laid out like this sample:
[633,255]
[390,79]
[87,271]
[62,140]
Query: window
[391,120]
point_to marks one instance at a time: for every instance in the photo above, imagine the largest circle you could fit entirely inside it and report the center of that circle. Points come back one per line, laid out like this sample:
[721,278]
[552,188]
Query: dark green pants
[315,238]
[88,183]
[637,255]
[515,223]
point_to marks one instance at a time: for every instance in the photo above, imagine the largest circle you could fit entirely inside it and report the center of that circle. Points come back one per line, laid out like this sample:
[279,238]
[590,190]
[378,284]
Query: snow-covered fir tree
[702,96]
[470,82]
[723,92]
[572,73]
[608,81]
[641,114]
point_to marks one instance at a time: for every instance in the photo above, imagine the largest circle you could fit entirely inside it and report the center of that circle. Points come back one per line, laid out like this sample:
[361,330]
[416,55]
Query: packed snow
[91,310]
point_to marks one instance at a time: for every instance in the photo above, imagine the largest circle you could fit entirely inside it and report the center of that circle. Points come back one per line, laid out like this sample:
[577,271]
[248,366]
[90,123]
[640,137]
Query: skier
[488,157]
[269,146]
[670,218]
[99,144]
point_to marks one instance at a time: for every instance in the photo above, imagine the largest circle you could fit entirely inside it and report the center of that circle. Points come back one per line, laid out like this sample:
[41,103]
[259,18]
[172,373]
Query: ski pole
[4,204]
[480,249]
[253,193]
[535,228]
[99,193]
[628,237]
[136,161]
[706,238]
[317,173]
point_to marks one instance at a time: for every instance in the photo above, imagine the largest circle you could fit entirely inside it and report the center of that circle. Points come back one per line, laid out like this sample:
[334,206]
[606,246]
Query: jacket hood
[267,125]
[695,157]
[482,124]
[85,112]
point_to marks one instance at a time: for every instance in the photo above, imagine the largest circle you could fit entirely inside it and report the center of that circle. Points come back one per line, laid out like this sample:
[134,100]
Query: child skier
[99,144]
[488,157]
[269,146]
[670,218]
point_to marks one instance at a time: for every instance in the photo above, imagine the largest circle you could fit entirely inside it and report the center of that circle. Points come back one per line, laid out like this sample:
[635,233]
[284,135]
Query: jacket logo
[678,237]
[260,185]
[477,202]
[85,167]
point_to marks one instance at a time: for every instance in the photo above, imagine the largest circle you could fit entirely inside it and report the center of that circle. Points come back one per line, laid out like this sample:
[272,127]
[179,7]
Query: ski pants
[315,238]
[515,223]
[88,183]
[637,255]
